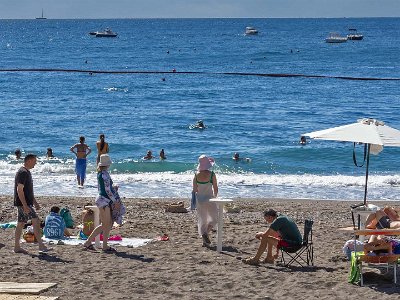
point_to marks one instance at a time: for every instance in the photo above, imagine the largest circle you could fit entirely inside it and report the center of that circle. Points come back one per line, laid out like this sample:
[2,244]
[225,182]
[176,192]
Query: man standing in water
[24,200]
[82,151]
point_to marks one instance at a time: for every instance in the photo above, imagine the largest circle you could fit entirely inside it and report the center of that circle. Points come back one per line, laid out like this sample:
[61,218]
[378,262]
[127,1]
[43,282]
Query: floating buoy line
[202,73]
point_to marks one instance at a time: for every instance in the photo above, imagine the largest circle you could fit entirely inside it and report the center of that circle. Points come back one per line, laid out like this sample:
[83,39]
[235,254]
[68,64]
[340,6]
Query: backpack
[66,214]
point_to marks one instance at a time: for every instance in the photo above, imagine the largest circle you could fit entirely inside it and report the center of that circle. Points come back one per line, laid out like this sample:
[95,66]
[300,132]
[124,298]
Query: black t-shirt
[24,177]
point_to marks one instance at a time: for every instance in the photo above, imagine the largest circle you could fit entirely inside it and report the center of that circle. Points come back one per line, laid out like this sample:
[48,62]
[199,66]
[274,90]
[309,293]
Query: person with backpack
[55,227]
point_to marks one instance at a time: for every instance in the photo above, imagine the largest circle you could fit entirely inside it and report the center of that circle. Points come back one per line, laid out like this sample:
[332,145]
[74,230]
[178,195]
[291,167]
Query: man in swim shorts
[24,200]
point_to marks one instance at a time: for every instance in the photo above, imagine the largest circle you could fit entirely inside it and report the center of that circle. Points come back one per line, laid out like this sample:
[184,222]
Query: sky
[93,9]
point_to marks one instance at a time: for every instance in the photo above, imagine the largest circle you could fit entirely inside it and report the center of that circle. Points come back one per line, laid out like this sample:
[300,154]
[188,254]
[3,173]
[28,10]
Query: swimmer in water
[148,156]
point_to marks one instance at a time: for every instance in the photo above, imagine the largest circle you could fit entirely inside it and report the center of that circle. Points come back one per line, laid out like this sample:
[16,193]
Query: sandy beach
[182,268]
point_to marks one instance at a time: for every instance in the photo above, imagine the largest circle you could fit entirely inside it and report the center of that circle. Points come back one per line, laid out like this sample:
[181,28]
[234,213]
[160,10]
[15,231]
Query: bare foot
[269,260]
[20,250]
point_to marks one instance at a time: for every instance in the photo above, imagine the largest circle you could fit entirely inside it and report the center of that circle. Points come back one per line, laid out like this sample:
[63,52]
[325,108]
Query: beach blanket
[8,225]
[127,242]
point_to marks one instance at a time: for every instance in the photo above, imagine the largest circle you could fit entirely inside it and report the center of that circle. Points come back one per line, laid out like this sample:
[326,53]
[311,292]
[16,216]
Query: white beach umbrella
[373,133]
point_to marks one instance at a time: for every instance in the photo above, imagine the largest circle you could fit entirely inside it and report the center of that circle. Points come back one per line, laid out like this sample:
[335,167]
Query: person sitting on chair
[283,232]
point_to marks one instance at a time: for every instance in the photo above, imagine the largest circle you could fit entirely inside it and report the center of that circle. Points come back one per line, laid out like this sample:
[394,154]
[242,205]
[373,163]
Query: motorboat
[353,35]
[251,31]
[106,33]
[335,38]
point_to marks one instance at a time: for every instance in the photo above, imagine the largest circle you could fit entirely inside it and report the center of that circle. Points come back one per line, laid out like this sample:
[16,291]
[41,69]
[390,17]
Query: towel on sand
[127,242]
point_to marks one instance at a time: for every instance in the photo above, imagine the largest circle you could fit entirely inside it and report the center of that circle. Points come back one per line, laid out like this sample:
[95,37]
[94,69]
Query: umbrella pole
[366,175]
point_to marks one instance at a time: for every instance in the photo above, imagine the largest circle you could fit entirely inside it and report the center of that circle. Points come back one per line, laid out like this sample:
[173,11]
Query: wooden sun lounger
[388,260]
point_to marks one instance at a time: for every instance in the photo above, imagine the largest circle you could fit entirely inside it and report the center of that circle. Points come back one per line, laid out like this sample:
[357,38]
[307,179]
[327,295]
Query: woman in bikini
[205,187]
[102,147]
[81,151]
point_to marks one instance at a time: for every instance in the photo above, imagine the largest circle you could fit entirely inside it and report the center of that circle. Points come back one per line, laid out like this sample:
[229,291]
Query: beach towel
[354,276]
[126,242]
[8,225]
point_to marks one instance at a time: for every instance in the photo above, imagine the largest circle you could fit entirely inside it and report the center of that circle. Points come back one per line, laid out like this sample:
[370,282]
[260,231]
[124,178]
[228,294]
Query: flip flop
[110,250]
[89,248]
[251,261]
[164,237]
[21,251]
[45,250]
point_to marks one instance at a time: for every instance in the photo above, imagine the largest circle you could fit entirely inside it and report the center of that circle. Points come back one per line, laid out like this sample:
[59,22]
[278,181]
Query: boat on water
[251,31]
[353,35]
[42,17]
[106,33]
[336,38]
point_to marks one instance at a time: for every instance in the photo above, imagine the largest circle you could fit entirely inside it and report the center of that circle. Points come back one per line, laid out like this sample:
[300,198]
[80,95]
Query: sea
[146,88]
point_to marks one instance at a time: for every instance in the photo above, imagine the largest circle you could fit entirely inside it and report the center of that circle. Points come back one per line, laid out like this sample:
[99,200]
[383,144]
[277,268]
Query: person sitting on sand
[283,232]
[54,227]
[88,222]
[149,155]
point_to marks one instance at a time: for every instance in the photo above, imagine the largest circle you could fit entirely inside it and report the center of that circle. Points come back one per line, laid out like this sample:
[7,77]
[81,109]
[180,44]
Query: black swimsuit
[383,222]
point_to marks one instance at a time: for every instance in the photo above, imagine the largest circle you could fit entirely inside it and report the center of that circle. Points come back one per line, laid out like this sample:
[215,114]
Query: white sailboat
[42,17]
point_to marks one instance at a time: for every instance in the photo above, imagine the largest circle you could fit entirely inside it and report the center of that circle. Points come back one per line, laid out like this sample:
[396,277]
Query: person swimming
[148,156]
[162,154]
[18,154]
[198,125]
[49,153]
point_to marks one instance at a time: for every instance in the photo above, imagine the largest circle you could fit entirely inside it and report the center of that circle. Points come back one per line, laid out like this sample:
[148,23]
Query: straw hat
[205,163]
[105,160]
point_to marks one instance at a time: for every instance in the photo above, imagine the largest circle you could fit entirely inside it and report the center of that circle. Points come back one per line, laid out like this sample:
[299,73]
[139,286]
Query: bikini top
[205,182]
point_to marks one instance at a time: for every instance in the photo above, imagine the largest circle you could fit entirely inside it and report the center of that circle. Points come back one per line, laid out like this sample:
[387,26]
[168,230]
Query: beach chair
[303,254]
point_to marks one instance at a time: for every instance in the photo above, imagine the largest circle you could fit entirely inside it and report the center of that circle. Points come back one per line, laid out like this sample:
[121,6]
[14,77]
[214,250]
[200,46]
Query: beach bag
[66,214]
[176,207]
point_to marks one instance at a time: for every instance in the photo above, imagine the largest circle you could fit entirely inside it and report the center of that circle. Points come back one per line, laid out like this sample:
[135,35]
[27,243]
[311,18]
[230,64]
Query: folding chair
[302,254]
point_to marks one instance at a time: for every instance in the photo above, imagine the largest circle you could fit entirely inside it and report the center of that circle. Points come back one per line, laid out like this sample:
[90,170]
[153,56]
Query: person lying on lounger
[383,218]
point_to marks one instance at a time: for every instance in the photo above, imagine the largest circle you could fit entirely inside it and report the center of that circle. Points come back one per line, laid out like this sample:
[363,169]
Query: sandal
[251,261]
[110,250]
[89,248]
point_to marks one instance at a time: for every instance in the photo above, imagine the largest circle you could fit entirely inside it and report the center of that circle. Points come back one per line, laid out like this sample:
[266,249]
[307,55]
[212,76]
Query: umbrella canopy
[367,131]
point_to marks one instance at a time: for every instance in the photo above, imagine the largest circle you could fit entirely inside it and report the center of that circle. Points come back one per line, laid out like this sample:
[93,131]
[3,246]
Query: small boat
[42,17]
[251,31]
[335,38]
[106,33]
[353,35]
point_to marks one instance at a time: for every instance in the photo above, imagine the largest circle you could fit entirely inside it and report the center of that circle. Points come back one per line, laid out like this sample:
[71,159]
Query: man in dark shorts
[24,200]
[283,232]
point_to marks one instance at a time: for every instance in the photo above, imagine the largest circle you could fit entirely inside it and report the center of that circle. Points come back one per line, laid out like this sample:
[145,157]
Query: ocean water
[260,117]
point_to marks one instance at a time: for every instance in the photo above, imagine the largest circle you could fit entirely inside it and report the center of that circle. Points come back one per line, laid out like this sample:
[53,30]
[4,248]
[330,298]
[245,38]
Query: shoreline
[181,267]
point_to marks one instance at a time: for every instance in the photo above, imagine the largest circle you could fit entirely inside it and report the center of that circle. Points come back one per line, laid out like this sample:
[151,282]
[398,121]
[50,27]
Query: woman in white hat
[109,204]
[206,187]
